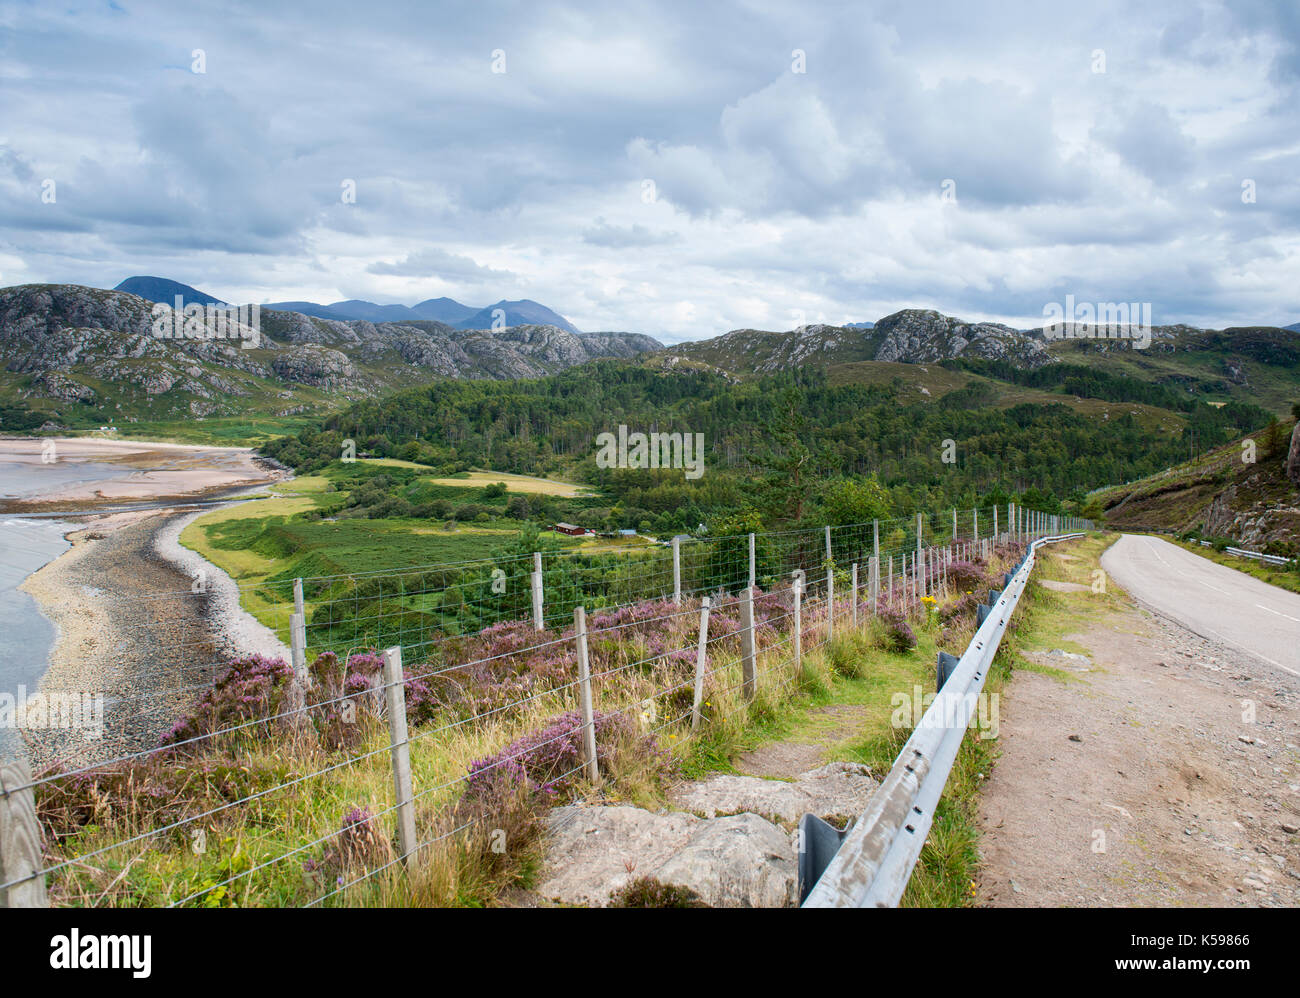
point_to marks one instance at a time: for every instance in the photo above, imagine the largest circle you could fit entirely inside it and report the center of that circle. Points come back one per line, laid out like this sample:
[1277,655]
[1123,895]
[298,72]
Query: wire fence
[520,679]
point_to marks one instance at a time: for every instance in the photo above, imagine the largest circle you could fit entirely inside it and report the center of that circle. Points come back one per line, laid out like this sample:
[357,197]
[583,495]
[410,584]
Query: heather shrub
[358,846]
[892,631]
[967,575]
[251,688]
[647,892]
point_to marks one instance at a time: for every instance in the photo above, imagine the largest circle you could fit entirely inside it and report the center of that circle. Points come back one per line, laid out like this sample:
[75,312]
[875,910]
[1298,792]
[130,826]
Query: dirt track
[1171,796]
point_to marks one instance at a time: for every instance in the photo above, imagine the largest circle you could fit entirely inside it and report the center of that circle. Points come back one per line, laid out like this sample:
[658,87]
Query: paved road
[1209,599]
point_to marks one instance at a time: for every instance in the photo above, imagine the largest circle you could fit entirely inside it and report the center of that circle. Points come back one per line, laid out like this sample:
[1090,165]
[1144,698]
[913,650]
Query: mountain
[85,355]
[517,313]
[160,289]
[858,325]
[1294,327]
[448,310]
[1257,364]
[442,310]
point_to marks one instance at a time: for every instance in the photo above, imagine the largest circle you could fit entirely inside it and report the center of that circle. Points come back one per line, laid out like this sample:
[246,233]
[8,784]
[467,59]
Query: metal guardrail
[875,858]
[1268,559]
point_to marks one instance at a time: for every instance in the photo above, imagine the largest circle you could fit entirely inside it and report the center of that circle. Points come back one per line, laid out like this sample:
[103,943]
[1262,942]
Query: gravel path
[1163,772]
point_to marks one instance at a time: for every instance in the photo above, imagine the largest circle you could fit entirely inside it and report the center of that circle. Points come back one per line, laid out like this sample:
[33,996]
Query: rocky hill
[1222,494]
[96,350]
[1258,364]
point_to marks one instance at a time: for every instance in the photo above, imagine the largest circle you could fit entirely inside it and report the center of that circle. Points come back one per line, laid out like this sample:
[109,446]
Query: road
[1209,599]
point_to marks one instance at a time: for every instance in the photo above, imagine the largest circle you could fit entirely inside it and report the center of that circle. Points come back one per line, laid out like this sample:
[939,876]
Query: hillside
[1218,495]
[82,356]
[1259,365]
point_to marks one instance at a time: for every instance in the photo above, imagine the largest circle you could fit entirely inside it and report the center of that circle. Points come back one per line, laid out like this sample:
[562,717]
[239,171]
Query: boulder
[837,792]
[741,861]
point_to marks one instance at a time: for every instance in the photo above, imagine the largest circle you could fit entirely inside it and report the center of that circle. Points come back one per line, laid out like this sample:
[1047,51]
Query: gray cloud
[775,191]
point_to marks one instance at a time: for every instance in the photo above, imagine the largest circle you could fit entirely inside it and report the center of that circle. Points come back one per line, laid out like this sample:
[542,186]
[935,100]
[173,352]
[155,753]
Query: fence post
[798,621]
[750,680]
[400,750]
[875,540]
[701,652]
[584,695]
[919,561]
[855,594]
[975,523]
[995,524]
[20,840]
[873,581]
[954,524]
[677,570]
[891,578]
[752,562]
[538,621]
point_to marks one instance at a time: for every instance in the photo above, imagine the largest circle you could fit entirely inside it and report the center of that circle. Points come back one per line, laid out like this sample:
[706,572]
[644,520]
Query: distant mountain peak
[166,291]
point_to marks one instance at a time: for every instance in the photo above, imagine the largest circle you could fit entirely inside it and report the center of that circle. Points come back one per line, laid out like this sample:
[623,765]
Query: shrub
[647,892]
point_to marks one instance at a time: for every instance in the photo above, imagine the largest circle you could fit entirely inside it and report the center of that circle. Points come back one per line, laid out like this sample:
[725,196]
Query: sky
[676,169]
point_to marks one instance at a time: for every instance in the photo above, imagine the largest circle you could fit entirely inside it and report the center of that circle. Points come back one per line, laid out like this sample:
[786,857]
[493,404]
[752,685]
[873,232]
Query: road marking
[1278,612]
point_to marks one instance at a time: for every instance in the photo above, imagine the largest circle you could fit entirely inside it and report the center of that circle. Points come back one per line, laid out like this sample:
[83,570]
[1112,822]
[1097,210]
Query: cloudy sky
[678,169]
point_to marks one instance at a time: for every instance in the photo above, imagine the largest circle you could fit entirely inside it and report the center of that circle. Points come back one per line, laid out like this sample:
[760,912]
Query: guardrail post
[539,622]
[584,696]
[400,750]
[21,857]
[945,667]
[677,570]
[748,676]
[701,654]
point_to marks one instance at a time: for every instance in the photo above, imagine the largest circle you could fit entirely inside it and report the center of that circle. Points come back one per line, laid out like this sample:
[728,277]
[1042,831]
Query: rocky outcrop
[734,850]
[1293,458]
[920,336]
[741,861]
[62,335]
[836,793]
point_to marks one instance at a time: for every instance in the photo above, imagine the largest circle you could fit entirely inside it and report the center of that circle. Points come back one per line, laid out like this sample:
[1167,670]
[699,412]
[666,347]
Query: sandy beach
[130,624]
[121,471]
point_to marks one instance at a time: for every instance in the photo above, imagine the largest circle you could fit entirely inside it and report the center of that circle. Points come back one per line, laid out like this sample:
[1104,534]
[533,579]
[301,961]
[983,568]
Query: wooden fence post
[954,524]
[891,578]
[538,621]
[995,524]
[854,594]
[21,856]
[584,695]
[798,622]
[753,565]
[873,581]
[875,540]
[677,570]
[748,675]
[701,654]
[400,750]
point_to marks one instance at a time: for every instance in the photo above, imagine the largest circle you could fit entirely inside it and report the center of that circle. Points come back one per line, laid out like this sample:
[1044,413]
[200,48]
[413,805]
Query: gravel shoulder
[1143,765]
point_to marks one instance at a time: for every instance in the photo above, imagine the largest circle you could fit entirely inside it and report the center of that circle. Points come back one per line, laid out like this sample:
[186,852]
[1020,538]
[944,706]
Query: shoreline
[129,626]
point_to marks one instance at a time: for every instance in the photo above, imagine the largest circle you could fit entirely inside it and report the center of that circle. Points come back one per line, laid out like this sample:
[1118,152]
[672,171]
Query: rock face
[837,792]
[1293,458]
[727,852]
[62,335]
[919,336]
[740,861]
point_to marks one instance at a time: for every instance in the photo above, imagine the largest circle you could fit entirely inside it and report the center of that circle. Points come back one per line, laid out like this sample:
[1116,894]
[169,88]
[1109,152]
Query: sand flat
[161,470]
